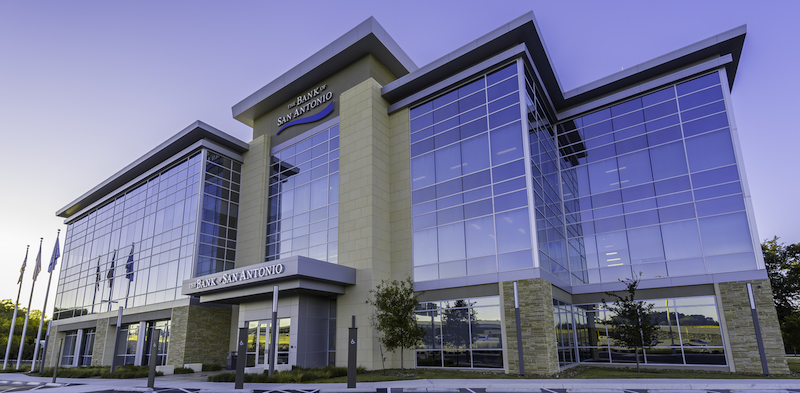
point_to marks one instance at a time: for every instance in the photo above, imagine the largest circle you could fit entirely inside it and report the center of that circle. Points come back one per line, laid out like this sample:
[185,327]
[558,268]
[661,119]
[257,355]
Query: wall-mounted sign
[244,275]
[304,103]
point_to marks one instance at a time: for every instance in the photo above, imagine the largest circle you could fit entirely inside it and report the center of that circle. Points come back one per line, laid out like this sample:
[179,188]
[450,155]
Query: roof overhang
[197,131]
[255,282]
[524,30]
[369,37]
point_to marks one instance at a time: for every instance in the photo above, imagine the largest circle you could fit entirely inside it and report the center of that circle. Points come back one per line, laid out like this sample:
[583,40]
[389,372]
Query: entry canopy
[254,282]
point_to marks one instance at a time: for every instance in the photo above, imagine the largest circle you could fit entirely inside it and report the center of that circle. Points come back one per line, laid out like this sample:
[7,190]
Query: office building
[470,174]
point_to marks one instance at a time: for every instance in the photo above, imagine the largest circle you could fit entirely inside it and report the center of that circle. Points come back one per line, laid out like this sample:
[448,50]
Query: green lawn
[794,364]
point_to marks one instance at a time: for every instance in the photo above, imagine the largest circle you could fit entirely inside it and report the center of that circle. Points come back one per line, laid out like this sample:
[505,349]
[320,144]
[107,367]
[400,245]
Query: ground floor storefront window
[689,333]
[134,343]
[259,335]
[462,333]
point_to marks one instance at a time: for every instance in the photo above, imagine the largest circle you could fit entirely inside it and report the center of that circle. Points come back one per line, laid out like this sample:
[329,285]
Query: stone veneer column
[101,330]
[735,303]
[364,212]
[252,228]
[400,162]
[537,322]
[199,334]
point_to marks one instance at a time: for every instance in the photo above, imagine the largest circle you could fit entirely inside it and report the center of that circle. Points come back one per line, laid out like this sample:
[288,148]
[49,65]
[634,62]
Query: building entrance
[258,339]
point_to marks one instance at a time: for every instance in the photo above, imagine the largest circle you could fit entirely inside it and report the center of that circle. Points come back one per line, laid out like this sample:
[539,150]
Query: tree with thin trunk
[634,325]
[394,303]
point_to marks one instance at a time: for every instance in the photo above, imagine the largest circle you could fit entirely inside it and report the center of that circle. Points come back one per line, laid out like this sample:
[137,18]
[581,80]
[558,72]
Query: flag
[38,267]
[54,257]
[97,277]
[24,264]
[110,275]
[129,266]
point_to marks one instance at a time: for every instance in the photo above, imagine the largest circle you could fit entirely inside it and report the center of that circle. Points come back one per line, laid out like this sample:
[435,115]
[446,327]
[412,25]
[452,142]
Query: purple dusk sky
[87,87]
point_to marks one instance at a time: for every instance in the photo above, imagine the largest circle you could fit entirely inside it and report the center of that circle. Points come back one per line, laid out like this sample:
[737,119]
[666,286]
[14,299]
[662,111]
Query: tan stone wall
[364,212]
[735,304]
[199,334]
[177,335]
[400,163]
[538,334]
[251,242]
[99,342]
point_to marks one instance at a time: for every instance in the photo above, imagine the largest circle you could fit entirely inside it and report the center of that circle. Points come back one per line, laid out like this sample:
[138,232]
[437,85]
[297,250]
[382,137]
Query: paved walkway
[191,382]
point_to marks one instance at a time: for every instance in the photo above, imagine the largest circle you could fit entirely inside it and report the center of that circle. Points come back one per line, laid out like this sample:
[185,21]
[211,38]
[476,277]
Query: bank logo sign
[304,103]
[244,275]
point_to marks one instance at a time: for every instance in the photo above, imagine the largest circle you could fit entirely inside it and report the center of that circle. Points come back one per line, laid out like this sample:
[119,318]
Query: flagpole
[28,314]
[50,268]
[129,275]
[16,306]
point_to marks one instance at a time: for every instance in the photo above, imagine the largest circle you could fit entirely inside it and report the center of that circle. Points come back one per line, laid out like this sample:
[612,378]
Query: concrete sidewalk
[588,385]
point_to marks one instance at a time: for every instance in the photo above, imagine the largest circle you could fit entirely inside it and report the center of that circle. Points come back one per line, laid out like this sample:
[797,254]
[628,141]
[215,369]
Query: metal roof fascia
[186,137]
[369,37]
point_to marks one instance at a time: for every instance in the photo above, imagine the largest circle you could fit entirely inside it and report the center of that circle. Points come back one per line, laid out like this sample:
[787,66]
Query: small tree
[634,325]
[394,303]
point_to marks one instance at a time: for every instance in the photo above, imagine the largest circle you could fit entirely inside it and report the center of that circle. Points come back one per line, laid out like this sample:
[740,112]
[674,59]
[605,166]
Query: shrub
[212,367]
[297,374]
[183,370]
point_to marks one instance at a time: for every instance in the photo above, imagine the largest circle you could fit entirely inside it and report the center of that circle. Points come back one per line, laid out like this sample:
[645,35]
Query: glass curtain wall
[139,246]
[469,195]
[303,206]
[689,333]
[462,333]
[652,188]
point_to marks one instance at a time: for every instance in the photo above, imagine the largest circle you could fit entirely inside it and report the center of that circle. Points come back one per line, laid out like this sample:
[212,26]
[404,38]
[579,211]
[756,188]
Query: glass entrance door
[258,339]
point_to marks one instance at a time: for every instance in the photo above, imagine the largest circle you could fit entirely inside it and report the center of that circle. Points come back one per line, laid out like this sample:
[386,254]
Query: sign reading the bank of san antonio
[243,275]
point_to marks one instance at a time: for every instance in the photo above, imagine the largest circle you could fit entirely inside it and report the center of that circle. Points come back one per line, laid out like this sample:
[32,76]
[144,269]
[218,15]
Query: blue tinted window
[664,136]
[598,129]
[480,237]
[506,144]
[686,267]
[472,115]
[660,110]
[476,180]
[505,116]
[712,192]
[731,263]
[612,249]
[501,74]
[720,205]
[698,83]
[515,260]
[471,102]
[633,144]
[638,192]
[641,219]
[421,122]
[598,116]
[676,213]
[626,107]
[603,176]
[508,100]
[446,138]
[448,163]
[450,215]
[475,154]
[705,110]
[471,88]
[501,89]
[659,96]
[662,123]
[628,120]
[645,245]
[513,230]
[425,247]
[715,176]
[726,234]
[452,237]
[710,151]
[606,199]
[477,209]
[681,240]
[508,171]
[445,99]
[415,112]
[609,224]
[700,98]
[473,128]
[422,147]
[668,160]
[700,126]
[672,185]
[483,265]
[511,185]
[629,132]
[674,199]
